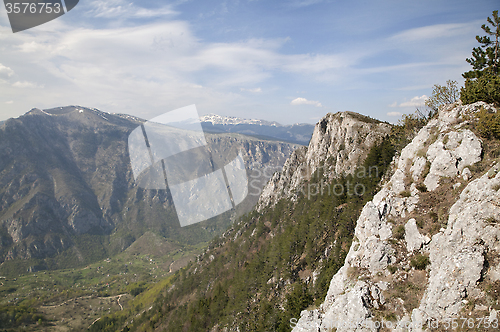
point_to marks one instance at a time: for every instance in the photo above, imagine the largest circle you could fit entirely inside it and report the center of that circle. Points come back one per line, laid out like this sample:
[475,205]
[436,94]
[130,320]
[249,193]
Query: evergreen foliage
[488,124]
[485,58]
[483,81]
[485,88]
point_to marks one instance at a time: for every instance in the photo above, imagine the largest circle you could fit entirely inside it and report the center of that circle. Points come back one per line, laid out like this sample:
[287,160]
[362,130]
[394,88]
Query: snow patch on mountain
[230,120]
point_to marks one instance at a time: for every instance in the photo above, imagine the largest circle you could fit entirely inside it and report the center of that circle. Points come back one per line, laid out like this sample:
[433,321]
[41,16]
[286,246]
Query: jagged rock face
[286,181]
[457,253]
[443,149]
[344,139]
[66,172]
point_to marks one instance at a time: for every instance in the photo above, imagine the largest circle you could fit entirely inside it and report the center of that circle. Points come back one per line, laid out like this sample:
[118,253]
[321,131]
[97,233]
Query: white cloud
[132,66]
[5,72]
[25,85]
[123,67]
[414,102]
[304,101]
[437,31]
[9,102]
[394,113]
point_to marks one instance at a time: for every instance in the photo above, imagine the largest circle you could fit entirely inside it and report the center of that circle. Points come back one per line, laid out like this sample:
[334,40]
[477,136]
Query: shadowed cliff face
[65,175]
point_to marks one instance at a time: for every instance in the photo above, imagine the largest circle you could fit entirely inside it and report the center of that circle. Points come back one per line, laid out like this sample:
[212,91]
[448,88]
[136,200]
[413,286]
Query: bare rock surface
[414,240]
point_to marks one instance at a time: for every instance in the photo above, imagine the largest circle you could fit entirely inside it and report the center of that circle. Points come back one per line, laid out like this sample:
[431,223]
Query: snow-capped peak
[230,120]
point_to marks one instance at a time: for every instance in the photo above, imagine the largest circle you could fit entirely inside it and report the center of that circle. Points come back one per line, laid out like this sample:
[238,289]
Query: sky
[286,61]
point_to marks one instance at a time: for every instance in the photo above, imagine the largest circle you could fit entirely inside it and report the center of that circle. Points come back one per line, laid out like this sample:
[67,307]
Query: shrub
[398,232]
[488,124]
[391,317]
[442,95]
[407,128]
[420,262]
[421,187]
[433,216]
[405,193]
[427,169]
[485,88]
[392,268]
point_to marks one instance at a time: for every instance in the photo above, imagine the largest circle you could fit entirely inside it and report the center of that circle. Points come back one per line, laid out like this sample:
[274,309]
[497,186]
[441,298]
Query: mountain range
[68,196]
[299,133]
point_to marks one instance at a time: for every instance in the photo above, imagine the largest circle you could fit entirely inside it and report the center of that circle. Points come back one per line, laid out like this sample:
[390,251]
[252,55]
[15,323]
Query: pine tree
[485,58]
[483,81]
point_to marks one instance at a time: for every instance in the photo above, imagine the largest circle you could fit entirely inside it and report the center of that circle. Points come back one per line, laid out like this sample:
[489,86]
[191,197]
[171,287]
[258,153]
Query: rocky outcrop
[462,255]
[414,240]
[343,138]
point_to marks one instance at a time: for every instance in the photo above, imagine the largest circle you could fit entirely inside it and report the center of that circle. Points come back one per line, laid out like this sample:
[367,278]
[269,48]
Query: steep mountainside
[418,250]
[426,250]
[339,144]
[66,187]
[266,268]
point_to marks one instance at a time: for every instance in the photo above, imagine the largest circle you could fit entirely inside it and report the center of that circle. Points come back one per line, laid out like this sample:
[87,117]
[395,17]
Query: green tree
[485,58]
[488,124]
[485,88]
[483,81]
[442,95]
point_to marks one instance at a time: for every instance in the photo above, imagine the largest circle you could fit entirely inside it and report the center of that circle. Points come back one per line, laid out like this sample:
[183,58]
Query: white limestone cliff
[463,253]
[343,138]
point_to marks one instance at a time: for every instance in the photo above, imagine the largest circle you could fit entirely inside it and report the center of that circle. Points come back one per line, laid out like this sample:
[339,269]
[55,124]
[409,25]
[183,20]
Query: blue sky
[286,61]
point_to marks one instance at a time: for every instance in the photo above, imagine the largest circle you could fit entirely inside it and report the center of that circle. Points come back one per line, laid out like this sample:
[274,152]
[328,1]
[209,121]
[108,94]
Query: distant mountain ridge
[299,133]
[231,120]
